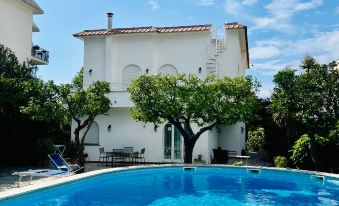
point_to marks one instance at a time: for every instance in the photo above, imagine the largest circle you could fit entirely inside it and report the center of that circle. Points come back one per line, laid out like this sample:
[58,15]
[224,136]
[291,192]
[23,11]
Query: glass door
[172,143]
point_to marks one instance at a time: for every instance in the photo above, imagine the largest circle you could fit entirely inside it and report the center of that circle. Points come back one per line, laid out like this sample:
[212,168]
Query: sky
[280,32]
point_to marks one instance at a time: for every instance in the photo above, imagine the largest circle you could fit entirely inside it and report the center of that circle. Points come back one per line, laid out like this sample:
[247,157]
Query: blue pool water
[173,186]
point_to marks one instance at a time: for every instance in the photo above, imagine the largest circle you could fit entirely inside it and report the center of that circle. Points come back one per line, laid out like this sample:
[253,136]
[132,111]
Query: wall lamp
[147,70]
[199,70]
[109,128]
[90,72]
[156,127]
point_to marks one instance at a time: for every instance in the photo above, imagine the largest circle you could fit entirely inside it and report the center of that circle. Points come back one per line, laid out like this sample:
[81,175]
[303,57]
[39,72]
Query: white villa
[117,55]
[16,28]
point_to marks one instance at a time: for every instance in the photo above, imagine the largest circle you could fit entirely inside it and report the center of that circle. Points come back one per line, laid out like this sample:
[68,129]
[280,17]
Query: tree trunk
[188,155]
[80,148]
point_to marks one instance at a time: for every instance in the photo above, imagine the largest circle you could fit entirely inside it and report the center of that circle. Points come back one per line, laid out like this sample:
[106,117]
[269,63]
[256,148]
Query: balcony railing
[40,53]
[115,87]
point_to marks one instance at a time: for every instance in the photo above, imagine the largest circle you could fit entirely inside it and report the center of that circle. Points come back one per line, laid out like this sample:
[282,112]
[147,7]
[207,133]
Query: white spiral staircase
[214,50]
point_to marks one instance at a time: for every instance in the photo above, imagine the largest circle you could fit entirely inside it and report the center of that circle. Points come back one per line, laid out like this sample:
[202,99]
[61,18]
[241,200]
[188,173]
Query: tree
[17,129]
[71,102]
[285,101]
[309,99]
[184,100]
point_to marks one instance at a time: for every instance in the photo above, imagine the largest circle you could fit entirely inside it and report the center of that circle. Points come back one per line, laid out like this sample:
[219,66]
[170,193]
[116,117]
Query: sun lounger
[61,164]
[42,173]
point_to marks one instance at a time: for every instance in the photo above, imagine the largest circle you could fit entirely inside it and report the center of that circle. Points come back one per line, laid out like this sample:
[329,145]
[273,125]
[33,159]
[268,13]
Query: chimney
[110,19]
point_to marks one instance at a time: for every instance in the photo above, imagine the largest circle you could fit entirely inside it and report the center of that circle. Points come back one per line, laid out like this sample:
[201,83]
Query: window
[130,72]
[92,136]
[167,69]
[172,143]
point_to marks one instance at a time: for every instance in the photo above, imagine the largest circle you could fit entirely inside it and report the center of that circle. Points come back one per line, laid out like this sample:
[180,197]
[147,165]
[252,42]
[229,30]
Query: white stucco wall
[231,137]
[127,132]
[16,28]
[229,62]
[108,56]
[185,51]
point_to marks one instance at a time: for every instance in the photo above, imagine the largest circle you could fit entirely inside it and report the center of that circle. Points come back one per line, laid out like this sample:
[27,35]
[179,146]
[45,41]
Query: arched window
[129,73]
[167,69]
[92,136]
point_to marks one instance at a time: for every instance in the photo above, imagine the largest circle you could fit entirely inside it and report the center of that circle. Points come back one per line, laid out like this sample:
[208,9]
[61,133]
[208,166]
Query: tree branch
[204,129]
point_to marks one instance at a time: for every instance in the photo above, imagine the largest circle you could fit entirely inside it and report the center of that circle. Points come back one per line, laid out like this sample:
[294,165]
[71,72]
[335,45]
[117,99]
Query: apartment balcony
[119,95]
[39,56]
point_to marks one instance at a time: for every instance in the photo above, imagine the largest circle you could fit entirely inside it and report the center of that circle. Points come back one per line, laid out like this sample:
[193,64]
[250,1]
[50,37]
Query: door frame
[181,160]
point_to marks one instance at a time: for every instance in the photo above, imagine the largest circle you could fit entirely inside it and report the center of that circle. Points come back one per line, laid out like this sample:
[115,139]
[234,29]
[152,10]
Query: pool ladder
[318,177]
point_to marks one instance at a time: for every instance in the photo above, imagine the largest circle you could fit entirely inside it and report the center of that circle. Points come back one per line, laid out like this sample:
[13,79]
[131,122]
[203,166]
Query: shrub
[280,161]
[256,140]
[300,150]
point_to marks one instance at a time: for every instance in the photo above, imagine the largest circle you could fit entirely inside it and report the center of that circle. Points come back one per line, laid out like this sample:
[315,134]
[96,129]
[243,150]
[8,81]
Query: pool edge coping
[53,182]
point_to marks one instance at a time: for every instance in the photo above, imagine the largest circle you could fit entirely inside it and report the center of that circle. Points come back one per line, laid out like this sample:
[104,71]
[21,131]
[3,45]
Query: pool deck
[53,181]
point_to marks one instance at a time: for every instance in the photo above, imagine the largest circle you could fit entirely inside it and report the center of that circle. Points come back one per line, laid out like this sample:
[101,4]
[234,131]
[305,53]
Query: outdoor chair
[128,154]
[140,157]
[63,169]
[103,155]
[42,173]
[220,156]
[118,156]
[61,164]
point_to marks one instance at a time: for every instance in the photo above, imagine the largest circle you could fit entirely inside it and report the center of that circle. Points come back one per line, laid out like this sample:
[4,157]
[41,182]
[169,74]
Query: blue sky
[280,32]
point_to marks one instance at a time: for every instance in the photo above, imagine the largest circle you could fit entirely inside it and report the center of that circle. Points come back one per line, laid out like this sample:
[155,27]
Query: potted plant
[42,148]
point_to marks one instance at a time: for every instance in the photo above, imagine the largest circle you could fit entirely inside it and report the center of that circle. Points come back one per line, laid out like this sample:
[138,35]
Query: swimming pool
[200,186]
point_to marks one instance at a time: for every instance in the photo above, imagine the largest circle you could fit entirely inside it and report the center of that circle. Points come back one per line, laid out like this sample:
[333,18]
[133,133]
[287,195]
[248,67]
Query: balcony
[39,56]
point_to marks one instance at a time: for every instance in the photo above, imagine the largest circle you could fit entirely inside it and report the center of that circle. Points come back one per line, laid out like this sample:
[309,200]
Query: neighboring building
[16,27]
[120,54]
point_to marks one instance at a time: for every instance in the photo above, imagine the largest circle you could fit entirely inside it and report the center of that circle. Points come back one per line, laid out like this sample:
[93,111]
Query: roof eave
[35,7]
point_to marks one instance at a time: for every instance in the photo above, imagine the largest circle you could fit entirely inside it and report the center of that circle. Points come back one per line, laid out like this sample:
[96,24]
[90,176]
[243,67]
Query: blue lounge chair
[42,173]
[63,169]
[61,164]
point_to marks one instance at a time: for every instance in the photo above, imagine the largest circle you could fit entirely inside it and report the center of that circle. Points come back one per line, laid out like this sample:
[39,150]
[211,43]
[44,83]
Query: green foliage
[280,161]
[42,148]
[10,67]
[307,103]
[324,148]
[185,99]
[225,100]
[67,101]
[275,136]
[18,131]
[256,140]
[300,150]
[78,80]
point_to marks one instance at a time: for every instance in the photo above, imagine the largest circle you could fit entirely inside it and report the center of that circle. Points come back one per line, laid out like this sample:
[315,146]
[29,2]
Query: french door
[173,148]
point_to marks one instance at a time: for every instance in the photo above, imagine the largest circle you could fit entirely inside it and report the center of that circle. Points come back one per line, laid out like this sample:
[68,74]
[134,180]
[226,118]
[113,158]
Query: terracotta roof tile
[234,25]
[148,29]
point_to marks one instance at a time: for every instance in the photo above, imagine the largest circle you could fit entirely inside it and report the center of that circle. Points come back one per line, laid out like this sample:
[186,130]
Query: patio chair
[128,154]
[61,164]
[118,156]
[42,173]
[102,155]
[141,156]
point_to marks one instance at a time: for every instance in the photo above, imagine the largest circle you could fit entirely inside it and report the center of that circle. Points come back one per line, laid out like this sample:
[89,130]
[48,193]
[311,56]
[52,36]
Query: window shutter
[129,73]
[167,69]
[92,136]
